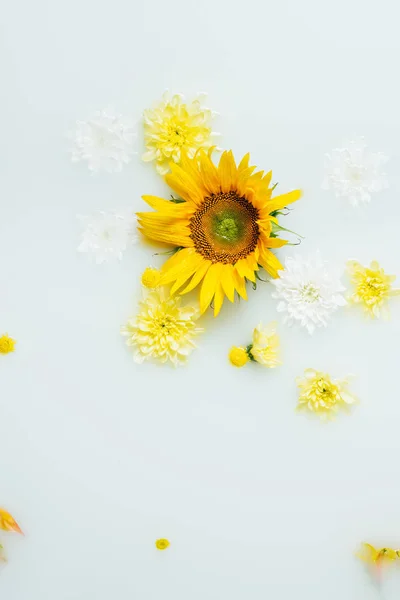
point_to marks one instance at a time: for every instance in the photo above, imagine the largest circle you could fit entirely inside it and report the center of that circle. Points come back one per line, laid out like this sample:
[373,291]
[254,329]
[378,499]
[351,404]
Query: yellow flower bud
[238,356]
[7,344]
[151,278]
[162,544]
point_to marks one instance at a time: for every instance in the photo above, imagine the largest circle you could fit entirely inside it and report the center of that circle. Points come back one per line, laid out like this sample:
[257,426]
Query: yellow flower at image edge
[224,229]
[372,555]
[151,278]
[322,395]
[373,288]
[162,544]
[8,523]
[7,344]
[163,329]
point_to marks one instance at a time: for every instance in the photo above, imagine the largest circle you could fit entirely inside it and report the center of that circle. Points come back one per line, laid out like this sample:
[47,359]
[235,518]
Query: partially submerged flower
[372,287]
[355,172]
[107,235]
[224,228]
[7,344]
[162,544]
[322,395]
[151,278]
[175,126]
[377,558]
[104,141]
[263,349]
[8,523]
[163,329]
[309,292]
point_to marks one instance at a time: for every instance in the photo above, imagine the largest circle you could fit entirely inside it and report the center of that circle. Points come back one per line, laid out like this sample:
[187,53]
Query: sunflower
[223,228]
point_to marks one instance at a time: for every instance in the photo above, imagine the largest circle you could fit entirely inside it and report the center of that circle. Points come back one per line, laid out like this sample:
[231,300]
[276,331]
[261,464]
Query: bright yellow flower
[162,330]
[174,127]
[8,523]
[319,394]
[151,278]
[222,227]
[265,346]
[373,288]
[2,554]
[371,555]
[7,344]
[238,356]
[162,544]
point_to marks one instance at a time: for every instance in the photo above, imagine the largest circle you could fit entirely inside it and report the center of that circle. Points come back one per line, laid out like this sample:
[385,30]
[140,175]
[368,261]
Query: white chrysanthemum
[107,235]
[105,141]
[309,292]
[355,172]
[163,329]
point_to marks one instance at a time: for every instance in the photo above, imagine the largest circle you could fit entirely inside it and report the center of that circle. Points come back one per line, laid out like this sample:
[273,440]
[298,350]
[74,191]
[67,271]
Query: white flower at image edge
[309,291]
[355,172]
[107,235]
[105,141]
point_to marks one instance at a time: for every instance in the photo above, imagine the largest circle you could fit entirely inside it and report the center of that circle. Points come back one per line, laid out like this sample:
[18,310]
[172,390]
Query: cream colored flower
[265,346]
[322,395]
[163,329]
[373,288]
[174,126]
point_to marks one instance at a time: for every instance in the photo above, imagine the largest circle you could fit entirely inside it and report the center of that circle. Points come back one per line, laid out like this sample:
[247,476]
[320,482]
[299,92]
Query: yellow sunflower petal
[209,173]
[240,284]
[186,272]
[209,285]
[275,243]
[227,282]
[184,185]
[218,299]
[270,262]
[171,268]
[197,277]
[243,269]
[227,172]
[281,201]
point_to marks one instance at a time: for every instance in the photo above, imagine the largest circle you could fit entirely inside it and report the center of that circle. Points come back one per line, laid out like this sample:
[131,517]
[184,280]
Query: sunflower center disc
[224,229]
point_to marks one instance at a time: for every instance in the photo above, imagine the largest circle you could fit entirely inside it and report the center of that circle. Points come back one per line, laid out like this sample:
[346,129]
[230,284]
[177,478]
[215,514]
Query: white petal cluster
[105,141]
[309,291]
[355,172]
[106,236]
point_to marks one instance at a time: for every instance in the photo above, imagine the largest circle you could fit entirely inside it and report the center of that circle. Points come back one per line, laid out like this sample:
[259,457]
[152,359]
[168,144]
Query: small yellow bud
[151,278]
[7,344]
[238,356]
[162,544]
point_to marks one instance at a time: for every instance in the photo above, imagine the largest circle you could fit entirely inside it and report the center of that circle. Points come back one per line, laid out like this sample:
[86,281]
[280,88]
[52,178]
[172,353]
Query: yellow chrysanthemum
[373,288]
[163,329]
[265,346]
[372,555]
[222,227]
[162,544]
[7,344]
[174,127]
[319,394]
[151,278]
[238,356]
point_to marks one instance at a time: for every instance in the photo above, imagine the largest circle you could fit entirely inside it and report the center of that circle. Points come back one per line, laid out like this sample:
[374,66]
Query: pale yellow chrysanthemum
[238,356]
[373,288]
[7,344]
[163,330]
[174,126]
[265,346]
[162,544]
[151,278]
[320,394]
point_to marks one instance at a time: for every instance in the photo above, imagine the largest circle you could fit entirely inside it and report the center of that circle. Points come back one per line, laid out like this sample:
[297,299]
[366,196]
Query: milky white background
[98,456]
